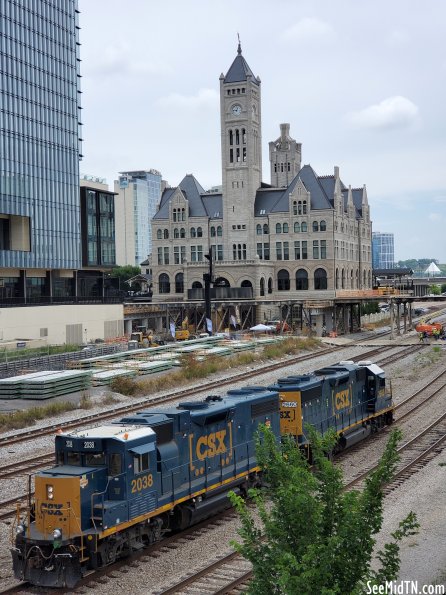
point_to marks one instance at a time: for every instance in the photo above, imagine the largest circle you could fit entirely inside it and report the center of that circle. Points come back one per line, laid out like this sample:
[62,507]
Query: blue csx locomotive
[116,488]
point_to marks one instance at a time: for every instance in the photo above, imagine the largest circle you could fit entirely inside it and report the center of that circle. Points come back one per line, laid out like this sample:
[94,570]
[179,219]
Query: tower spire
[239,48]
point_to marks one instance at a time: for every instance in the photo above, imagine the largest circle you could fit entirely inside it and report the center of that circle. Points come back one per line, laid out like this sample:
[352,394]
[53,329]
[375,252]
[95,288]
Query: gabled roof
[192,190]
[312,182]
[239,70]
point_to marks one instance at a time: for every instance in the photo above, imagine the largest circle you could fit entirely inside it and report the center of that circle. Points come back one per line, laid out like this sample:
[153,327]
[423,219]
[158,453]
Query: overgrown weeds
[28,417]
[193,368]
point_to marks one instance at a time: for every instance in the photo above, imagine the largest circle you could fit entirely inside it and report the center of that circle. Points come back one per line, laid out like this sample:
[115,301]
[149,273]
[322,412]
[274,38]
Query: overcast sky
[362,84]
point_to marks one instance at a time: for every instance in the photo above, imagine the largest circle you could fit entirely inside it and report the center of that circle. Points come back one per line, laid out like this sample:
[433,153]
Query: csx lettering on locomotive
[211,445]
[342,399]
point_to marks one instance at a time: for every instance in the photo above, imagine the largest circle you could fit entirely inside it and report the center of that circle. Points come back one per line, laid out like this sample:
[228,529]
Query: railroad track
[414,455]
[231,572]
[34,463]
[32,434]
[238,581]
[224,575]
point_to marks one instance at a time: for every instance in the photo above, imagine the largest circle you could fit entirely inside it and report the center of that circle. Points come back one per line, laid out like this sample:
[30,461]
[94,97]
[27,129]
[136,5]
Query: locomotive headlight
[57,533]
[49,492]
[20,529]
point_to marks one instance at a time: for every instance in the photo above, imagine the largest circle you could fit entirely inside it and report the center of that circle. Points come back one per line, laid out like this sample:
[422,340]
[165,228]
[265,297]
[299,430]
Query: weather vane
[239,50]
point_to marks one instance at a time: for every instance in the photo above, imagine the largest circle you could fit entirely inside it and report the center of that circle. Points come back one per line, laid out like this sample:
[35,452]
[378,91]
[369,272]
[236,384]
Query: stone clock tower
[241,132]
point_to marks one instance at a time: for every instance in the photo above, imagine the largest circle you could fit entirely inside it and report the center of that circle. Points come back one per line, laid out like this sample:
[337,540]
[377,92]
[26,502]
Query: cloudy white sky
[362,84]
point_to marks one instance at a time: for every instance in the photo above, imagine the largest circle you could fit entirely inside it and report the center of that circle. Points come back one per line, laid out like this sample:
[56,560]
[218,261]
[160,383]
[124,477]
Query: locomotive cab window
[115,464]
[94,459]
[74,458]
[60,458]
[140,463]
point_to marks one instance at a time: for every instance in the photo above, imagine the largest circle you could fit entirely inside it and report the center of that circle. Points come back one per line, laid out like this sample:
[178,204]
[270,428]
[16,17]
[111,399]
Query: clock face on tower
[236,109]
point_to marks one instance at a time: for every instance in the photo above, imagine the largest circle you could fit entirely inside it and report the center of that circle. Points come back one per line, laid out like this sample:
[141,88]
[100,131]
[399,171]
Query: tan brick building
[301,237]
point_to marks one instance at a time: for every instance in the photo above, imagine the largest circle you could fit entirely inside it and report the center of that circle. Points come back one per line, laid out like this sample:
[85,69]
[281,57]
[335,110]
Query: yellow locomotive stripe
[171,505]
[359,422]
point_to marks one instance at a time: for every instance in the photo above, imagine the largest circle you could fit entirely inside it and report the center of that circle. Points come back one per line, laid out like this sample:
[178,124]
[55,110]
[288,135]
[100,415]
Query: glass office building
[383,255]
[138,196]
[39,135]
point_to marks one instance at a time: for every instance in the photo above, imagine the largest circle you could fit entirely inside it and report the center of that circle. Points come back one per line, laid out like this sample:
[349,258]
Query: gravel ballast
[423,556]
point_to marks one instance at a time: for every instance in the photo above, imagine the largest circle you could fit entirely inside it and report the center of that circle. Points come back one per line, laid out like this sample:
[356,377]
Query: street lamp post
[208,279]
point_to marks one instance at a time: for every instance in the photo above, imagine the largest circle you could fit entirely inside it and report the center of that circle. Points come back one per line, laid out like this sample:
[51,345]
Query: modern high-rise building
[42,240]
[383,255]
[40,140]
[137,197]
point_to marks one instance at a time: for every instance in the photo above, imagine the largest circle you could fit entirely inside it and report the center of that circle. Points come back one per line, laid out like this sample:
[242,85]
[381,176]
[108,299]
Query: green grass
[12,355]
[192,369]
[28,417]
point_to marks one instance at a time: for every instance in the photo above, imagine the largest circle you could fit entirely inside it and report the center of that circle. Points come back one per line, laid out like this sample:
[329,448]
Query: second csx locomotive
[119,487]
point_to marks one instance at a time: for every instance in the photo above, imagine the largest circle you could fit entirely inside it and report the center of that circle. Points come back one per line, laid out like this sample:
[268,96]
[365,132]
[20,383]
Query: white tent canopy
[260,328]
[432,269]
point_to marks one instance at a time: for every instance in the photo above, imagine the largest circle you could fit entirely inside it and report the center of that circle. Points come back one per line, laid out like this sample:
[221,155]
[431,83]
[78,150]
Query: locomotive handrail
[93,495]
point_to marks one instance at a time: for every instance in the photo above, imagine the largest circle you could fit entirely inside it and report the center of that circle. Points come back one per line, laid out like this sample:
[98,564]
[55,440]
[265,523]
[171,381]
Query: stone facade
[302,237]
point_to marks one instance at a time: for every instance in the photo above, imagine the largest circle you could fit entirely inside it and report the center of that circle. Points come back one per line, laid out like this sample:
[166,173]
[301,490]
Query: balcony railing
[12,302]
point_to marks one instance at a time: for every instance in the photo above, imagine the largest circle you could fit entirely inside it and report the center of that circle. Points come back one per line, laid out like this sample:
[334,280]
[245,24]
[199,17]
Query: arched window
[182,233]
[337,278]
[323,226]
[197,285]
[351,279]
[174,215]
[166,234]
[179,283]
[258,229]
[304,227]
[270,285]
[301,280]
[183,214]
[212,232]
[370,279]
[357,279]
[193,232]
[221,282]
[285,228]
[294,207]
[164,283]
[297,227]
[343,279]
[278,228]
[219,231]
[265,229]
[304,207]
[364,277]
[315,226]
[199,232]
[320,279]
[176,233]
[262,286]
[159,234]
[283,280]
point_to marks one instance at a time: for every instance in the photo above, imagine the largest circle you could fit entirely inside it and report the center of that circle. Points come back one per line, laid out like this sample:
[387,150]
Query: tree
[369,308]
[434,289]
[125,273]
[313,537]
[443,288]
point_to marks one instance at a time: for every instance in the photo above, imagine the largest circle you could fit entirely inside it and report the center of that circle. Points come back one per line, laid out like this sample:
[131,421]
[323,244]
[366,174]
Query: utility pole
[208,279]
